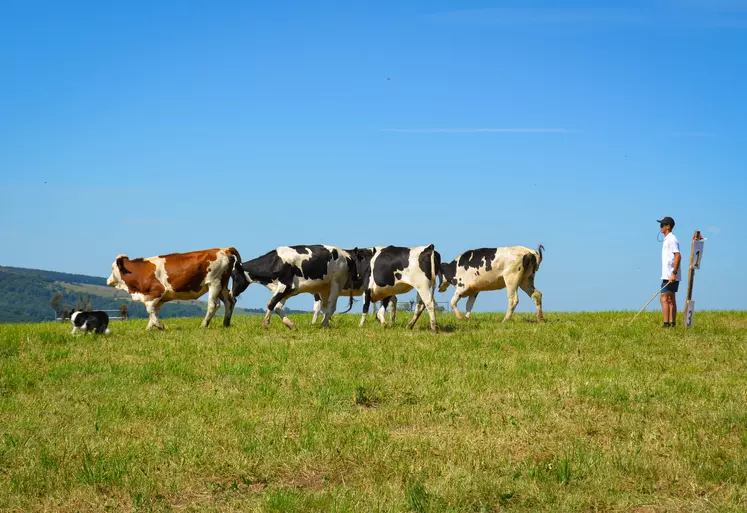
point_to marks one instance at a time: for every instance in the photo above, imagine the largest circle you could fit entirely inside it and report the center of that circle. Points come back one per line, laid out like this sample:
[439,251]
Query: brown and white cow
[157,280]
[482,269]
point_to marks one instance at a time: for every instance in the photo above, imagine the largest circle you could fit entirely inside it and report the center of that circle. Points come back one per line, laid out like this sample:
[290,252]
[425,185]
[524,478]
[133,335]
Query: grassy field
[583,413]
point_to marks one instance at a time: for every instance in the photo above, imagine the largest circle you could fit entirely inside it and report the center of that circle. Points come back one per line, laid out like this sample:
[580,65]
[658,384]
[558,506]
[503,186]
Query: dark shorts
[672,287]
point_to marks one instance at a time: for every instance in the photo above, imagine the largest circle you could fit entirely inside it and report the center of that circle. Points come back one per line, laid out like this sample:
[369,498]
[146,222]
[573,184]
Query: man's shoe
[666,325]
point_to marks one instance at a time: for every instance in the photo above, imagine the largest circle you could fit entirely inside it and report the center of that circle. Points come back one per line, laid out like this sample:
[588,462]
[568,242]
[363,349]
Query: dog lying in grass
[96,322]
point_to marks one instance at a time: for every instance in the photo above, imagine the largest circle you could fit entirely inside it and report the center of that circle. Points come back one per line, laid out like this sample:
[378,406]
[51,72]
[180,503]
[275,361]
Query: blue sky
[154,127]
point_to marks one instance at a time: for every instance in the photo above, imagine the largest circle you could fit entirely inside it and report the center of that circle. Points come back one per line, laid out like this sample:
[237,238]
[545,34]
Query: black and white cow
[357,288]
[291,270]
[482,269]
[387,271]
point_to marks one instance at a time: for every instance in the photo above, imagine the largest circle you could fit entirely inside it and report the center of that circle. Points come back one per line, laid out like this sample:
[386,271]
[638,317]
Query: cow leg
[317,308]
[381,312]
[366,306]
[281,292]
[393,309]
[419,307]
[512,288]
[528,287]
[213,294]
[153,307]
[454,300]
[286,320]
[470,304]
[381,315]
[228,303]
[424,292]
[331,306]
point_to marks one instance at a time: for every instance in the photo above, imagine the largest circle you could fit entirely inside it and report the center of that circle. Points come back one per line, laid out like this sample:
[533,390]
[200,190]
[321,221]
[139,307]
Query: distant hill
[25,296]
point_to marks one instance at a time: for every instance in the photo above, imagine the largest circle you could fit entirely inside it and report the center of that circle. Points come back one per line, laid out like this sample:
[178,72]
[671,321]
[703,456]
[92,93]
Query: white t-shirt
[670,247]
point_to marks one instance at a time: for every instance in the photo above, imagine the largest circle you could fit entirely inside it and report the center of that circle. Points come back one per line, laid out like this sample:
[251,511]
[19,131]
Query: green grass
[583,413]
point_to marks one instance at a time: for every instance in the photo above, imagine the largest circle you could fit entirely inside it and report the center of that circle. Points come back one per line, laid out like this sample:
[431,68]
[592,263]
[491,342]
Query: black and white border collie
[96,321]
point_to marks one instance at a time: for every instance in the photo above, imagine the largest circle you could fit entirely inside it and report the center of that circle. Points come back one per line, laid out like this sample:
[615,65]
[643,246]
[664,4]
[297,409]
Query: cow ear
[430,246]
[120,265]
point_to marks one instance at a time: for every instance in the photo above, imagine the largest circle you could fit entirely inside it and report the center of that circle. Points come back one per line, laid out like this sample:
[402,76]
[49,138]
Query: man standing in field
[670,272]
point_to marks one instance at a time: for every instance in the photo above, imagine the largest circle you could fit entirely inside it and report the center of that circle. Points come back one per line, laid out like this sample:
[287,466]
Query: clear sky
[154,127]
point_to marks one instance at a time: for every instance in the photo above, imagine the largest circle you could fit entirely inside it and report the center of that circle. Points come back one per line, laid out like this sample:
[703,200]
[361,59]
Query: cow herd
[378,274]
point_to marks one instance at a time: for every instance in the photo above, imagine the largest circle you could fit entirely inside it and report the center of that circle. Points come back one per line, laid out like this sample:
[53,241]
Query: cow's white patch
[161,275]
[291,256]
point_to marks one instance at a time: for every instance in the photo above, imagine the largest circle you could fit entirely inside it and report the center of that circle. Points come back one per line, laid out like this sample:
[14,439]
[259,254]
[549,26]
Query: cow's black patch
[301,250]
[315,268]
[363,258]
[424,261]
[334,254]
[449,272]
[390,260]
[265,269]
[398,276]
[474,258]
[529,261]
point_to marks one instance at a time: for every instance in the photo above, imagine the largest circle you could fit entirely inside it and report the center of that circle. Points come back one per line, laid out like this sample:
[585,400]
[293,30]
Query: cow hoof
[265,326]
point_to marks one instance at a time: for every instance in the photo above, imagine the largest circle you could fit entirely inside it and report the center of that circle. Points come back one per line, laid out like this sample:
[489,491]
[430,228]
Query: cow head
[119,269]
[448,271]
[240,279]
[363,258]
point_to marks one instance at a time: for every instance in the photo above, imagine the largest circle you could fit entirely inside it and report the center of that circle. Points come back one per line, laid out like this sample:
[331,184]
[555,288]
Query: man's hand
[673,278]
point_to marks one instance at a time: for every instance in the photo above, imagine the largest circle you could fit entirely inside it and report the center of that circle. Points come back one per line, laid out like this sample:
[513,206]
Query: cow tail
[350,306]
[234,252]
[433,273]
[540,249]
[352,276]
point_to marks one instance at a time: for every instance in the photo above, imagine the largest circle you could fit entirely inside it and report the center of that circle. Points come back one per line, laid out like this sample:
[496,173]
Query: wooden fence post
[689,303]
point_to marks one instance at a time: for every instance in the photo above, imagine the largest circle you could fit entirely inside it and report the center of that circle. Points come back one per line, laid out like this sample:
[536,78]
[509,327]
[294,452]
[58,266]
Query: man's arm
[677,260]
